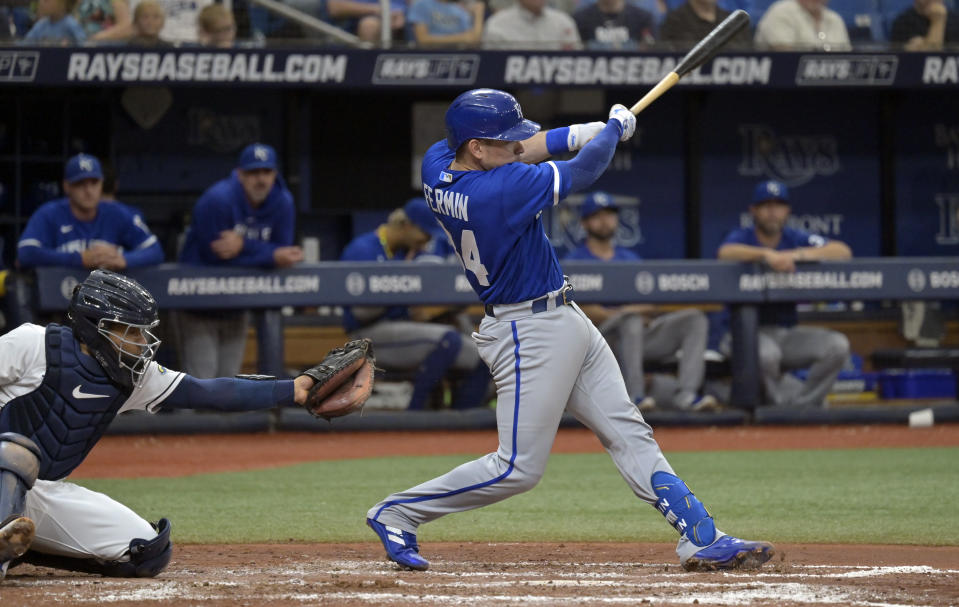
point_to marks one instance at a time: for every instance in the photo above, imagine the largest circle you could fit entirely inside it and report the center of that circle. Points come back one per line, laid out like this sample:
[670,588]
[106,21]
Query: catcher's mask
[113,315]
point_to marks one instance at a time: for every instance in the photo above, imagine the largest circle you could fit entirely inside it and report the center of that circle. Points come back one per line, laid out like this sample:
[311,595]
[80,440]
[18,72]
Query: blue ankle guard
[682,510]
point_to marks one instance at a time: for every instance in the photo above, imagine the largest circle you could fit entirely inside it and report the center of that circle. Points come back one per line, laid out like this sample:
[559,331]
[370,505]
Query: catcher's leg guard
[19,466]
[682,510]
[434,367]
[147,558]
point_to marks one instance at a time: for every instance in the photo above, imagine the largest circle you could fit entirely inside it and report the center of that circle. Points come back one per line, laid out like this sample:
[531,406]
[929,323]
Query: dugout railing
[742,287]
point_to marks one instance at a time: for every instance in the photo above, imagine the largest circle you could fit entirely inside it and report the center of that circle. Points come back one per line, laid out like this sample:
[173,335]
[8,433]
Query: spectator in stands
[615,24]
[362,17]
[927,25]
[802,25]
[530,24]
[404,339]
[179,23]
[438,23]
[56,26]
[84,231]
[639,331]
[216,26]
[783,344]
[148,19]
[691,21]
[98,17]
[246,219]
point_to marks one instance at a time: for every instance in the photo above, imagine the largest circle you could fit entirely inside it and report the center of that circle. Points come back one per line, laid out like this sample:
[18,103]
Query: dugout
[868,143]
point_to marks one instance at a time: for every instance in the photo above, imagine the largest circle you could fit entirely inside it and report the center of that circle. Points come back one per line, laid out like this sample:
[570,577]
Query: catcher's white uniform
[71,520]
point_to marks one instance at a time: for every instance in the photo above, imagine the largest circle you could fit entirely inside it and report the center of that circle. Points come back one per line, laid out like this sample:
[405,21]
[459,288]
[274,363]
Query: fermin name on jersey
[545,69]
[452,204]
[203,66]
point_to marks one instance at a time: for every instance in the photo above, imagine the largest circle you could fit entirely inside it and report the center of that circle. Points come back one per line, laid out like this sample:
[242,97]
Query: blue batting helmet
[486,114]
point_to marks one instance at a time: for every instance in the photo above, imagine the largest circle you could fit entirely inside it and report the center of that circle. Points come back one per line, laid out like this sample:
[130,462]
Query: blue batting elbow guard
[682,509]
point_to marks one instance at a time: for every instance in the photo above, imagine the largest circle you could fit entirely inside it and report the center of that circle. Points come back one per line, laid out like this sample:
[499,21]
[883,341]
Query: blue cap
[82,166]
[422,217]
[597,201]
[257,156]
[770,190]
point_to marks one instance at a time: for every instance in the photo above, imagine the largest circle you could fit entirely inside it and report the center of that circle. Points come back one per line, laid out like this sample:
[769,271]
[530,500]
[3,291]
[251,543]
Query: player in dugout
[86,230]
[545,354]
[79,377]
[403,337]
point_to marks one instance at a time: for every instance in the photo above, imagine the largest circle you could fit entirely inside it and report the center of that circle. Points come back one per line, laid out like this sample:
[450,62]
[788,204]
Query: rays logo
[792,159]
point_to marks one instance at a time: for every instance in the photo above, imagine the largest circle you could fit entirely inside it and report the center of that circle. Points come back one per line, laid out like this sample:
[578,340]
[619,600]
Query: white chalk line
[189,588]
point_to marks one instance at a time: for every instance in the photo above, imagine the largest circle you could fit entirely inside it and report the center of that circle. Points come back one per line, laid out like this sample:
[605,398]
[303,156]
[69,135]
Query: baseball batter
[487,186]
[60,387]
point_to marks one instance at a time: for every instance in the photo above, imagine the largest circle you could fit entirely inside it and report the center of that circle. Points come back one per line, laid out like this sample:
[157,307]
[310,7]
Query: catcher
[61,386]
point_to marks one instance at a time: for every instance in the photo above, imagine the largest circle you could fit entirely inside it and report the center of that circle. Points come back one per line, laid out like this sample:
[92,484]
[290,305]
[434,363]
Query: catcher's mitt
[344,380]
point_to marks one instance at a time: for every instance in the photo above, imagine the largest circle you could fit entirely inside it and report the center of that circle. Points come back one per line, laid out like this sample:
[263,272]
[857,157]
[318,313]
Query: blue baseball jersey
[224,206]
[493,220]
[780,314]
[55,237]
[370,247]
[583,253]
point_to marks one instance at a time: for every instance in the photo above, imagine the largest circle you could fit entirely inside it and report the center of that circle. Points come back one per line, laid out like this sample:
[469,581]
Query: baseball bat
[702,52]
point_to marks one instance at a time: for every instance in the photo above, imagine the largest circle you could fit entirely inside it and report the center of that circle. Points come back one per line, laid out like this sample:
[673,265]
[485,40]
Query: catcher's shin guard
[147,558]
[682,509]
[19,466]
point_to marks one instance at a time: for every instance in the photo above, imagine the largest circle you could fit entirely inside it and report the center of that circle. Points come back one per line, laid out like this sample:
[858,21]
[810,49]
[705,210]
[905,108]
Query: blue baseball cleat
[400,546]
[729,552]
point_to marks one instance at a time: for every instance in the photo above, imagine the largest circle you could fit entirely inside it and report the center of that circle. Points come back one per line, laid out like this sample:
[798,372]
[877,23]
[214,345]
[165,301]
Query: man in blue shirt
[246,219]
[85,231]
[639,331]
[403,337]
[784,345]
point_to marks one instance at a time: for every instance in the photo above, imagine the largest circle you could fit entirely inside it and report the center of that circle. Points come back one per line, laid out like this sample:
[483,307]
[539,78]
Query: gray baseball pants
[212,345]
[632,341]
[823,351]
[543,364]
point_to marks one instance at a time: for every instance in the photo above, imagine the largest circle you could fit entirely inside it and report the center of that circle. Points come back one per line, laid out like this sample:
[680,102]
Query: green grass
[895,496]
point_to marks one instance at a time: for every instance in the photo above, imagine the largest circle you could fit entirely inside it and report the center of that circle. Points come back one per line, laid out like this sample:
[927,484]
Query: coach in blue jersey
[246,219]
[784,345]
[403,338]
[85,231]
[640,331]
[488,186]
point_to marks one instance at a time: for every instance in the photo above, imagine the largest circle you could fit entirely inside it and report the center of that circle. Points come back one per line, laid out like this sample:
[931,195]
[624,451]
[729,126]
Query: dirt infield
[492,574]
[507,574]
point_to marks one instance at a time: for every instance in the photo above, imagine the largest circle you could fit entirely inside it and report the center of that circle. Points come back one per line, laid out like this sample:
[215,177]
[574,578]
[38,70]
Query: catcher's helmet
[111,314]
[486,114]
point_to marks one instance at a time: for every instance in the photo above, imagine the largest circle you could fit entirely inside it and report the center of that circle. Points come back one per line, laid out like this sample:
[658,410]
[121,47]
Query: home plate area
[507,574]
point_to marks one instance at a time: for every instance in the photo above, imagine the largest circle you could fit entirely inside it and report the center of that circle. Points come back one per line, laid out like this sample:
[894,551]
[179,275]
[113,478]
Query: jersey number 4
[470,257]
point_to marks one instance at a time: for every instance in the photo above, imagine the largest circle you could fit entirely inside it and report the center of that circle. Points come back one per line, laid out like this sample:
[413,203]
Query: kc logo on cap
[257,156]
[82,166]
